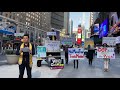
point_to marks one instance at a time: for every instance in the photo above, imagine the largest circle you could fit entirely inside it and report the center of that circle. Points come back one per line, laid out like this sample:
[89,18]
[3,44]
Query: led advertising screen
[103,32]
[96,29]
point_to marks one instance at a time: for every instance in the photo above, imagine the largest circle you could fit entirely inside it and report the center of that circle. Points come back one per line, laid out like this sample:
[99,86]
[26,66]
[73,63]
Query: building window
[118,14]
[0,19]
[26,14]
[14,17]
[10,16]
[6,15]
[1,13]
[17,14]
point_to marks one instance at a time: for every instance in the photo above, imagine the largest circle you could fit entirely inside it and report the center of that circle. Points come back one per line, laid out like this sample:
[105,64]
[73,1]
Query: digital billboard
[96,29]
[104,26]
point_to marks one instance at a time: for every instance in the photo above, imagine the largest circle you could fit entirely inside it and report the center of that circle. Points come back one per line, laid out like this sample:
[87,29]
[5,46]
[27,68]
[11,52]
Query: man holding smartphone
[25,52]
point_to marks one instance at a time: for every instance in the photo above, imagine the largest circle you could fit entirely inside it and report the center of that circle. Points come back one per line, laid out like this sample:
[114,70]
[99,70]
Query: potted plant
[11,56]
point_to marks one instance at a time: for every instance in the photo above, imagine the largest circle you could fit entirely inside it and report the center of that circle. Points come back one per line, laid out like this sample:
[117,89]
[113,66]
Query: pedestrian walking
[66,53]
[25,52]
[106,60]
[90,55]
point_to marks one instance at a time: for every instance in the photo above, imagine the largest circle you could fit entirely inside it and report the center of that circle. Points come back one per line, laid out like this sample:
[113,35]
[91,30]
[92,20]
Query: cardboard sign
[105,53]
[75,53]
[52,46]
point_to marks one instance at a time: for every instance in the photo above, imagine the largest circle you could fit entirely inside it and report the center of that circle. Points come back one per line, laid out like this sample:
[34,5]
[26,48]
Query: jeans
[22,67]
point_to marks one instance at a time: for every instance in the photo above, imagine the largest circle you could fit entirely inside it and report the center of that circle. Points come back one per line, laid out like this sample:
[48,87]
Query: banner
[105,53]
[41,51]
[52,46]
[56,64]
[68,41]
[109,40]
[75,53]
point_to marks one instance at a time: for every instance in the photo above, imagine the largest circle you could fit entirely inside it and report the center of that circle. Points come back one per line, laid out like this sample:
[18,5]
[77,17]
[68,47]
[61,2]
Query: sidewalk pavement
[12,71]
[94,71]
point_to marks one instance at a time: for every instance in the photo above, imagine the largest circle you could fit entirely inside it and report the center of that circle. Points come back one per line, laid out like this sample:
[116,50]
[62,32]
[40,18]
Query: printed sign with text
[105,53]
[75,53]
[41,51]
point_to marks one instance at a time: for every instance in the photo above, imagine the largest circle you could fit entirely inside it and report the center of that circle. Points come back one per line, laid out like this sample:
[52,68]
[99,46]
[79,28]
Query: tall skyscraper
[66,21]
[57,20]
[95,16]
[70,27]
[85,24]
[91,18]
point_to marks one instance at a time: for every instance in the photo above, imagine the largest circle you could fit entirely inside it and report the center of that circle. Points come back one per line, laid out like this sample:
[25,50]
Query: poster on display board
[111,41]
[41,52]
[75,53]
[52,46]
[105,53]
[68,41]
[56,63]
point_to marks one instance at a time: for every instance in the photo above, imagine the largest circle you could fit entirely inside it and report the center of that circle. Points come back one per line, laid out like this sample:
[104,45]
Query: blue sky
[77,18]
